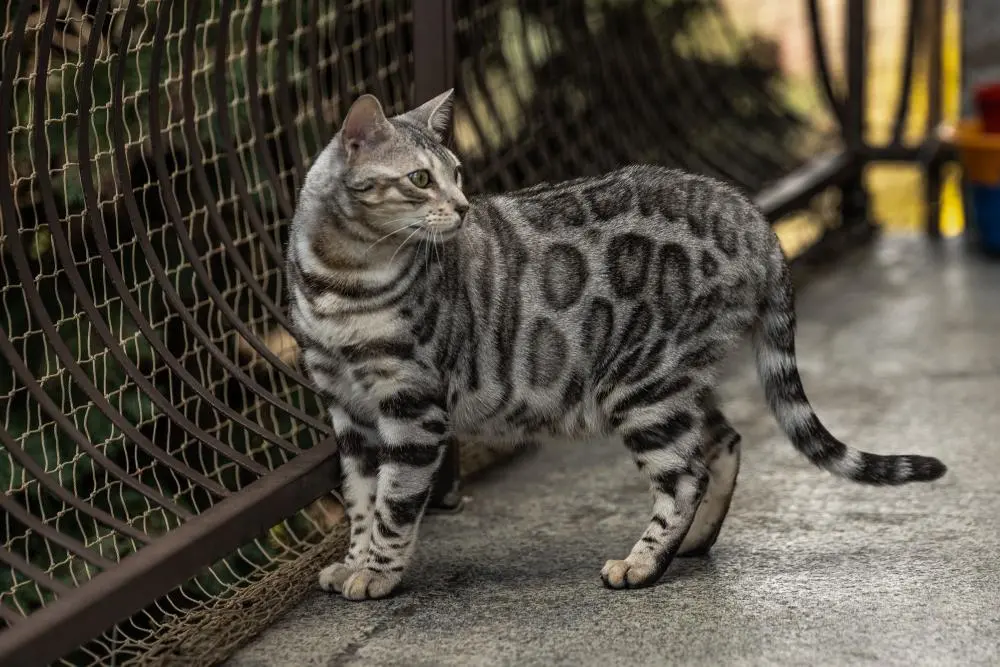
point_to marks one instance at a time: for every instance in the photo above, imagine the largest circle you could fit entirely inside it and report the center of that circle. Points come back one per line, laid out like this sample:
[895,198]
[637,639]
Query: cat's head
[397,171]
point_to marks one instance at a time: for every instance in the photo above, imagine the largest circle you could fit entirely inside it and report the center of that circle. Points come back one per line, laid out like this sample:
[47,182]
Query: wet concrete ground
[900,353]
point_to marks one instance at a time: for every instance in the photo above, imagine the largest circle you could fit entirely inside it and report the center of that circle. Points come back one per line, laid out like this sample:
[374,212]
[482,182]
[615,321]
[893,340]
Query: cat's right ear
[364,125]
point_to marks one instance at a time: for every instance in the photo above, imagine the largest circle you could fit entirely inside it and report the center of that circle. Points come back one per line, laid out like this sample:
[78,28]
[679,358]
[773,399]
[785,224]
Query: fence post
[854,195]
[434,73]
[433,48]
[934,164]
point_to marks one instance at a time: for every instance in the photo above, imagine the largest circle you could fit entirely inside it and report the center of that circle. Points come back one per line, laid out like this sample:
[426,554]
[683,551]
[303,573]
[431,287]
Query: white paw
[630,573]
[370,585]
[332,578]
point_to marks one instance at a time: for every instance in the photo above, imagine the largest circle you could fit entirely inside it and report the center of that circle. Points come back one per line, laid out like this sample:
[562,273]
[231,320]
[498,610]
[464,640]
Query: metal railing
[154,426]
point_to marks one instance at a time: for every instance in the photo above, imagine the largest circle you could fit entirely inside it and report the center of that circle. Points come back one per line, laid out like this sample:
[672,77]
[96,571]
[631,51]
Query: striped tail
[774,345]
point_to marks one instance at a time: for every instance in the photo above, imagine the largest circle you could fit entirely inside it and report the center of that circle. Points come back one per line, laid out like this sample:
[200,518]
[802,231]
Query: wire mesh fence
[154,150]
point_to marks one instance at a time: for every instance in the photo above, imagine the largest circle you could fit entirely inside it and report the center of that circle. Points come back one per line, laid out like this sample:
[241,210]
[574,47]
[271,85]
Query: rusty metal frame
[166,562]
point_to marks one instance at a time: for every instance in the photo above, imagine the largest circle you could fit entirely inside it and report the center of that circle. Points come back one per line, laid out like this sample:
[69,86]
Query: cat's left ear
[434,114]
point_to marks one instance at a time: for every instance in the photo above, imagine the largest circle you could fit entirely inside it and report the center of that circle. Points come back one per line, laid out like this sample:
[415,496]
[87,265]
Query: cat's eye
[420,178]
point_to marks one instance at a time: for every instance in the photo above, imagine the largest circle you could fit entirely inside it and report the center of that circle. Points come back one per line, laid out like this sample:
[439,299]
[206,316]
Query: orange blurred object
[979,151]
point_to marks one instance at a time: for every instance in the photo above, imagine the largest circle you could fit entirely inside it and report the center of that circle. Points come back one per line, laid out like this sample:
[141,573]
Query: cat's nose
[461,210]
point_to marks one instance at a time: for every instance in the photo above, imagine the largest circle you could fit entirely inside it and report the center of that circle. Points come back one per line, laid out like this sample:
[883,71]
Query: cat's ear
[434,114]
[364,125]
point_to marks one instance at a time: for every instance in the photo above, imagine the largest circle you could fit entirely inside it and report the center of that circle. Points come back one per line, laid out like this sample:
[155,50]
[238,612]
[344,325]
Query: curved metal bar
[61,243]
[915,8]
[180,309]
[367,57]
[226,136]
[935,24]
[201,175]
[323,135]
[154,571]
[46,531]
[9,616]
[404,72]
[822,66]
[118,280]
[34,298]
[36,574]
[256,111]
[50,408]
[173,209]
[340,28]
[285,104]
[65,253]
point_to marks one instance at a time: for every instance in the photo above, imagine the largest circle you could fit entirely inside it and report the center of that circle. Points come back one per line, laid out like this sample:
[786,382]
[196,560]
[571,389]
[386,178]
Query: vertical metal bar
[434,65]
[932,169]
[857,65]
[854,196]
[822,66]
[433,48]
[911,39]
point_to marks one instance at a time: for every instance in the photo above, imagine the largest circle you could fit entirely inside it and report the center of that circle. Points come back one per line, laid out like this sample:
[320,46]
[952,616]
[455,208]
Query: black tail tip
[926,469]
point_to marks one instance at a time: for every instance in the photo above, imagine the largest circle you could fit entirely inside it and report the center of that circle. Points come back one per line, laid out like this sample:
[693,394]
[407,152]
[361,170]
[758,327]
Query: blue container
[983,212]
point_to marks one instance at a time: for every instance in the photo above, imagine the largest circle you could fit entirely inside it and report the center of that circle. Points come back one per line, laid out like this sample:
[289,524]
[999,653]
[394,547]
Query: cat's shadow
[535,570]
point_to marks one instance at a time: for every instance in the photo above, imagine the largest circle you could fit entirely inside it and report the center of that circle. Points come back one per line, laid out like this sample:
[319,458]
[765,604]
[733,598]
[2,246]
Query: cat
[593,306]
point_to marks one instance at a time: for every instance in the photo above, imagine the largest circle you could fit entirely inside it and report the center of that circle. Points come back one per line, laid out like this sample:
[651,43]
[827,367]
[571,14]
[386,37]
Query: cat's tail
[774,344]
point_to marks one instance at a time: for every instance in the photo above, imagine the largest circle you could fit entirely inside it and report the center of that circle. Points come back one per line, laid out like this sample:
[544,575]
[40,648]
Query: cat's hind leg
[721,444]
[668,449]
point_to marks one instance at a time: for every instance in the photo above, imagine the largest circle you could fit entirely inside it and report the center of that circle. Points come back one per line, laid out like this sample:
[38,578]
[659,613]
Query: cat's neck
[326,246]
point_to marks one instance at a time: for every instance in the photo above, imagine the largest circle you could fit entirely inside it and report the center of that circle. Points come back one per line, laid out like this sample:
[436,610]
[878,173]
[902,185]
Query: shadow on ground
[900,353]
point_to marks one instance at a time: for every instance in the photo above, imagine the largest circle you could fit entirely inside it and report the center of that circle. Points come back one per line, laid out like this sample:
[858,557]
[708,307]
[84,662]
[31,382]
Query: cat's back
[625,206]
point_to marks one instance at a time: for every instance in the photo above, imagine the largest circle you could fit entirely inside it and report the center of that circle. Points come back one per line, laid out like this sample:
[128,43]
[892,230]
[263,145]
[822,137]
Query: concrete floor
[900,351]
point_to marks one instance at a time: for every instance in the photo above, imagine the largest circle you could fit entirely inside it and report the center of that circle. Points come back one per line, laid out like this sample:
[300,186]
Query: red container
[988,105]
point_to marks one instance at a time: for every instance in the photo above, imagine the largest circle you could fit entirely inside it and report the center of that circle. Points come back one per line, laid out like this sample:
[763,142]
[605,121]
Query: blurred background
[895,189]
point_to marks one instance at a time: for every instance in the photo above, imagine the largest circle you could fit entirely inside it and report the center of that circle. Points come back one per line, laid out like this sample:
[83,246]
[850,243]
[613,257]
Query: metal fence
[157,438]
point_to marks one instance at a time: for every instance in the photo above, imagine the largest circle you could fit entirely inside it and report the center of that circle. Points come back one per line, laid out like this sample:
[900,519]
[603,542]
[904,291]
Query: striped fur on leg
[669,453]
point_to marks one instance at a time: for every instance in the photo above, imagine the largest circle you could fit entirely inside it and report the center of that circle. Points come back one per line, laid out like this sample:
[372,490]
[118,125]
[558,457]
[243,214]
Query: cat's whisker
[392,233]
[405,241]
[427,254]
[434,238]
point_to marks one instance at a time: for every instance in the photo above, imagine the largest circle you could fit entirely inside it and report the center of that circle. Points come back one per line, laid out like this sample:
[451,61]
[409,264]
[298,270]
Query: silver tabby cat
[596,306]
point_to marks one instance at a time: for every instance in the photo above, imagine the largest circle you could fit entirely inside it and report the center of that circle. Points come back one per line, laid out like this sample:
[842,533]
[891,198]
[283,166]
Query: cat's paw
[332,578]
[368,584]
[630,573]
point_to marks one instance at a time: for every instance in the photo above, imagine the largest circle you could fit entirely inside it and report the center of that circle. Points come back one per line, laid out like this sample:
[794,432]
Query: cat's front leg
[359,474]
[414,434]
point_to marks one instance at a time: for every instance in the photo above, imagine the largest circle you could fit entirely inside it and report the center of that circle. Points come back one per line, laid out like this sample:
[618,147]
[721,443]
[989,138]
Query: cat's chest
[336,332]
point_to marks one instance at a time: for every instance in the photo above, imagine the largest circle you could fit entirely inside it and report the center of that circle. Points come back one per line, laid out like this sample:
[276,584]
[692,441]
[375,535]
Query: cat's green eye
[420,178]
